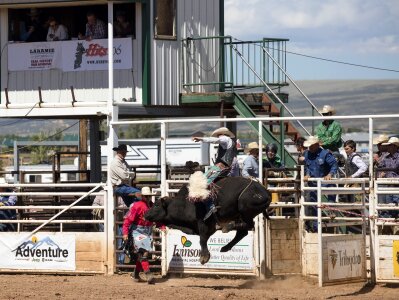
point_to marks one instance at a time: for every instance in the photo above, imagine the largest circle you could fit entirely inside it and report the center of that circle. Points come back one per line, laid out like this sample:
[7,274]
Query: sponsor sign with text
[345,259]
[183,251]
[75,55]
[41,251]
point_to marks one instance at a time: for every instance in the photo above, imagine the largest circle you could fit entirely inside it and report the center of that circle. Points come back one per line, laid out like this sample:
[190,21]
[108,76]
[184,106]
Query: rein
[250,182]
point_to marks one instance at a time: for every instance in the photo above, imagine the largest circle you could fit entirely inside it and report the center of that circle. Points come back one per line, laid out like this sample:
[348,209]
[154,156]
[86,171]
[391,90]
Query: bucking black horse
[238,199]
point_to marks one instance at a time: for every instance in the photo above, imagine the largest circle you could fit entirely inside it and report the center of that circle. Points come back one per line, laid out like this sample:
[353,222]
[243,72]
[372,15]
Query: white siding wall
[194,18]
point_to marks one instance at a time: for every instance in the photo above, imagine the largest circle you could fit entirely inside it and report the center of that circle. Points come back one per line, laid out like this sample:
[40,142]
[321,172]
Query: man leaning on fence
[121,177]
[7,214]
[319,163]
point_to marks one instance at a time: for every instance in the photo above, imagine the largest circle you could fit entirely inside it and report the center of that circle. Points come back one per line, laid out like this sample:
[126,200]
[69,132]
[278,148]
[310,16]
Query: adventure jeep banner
[183,251]
[74,55]
[41,251]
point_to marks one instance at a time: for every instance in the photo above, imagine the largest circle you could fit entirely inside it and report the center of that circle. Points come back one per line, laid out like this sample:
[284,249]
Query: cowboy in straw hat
[250,166]
[329,131]
[319,162]
[141,233]
[226,159]
[381,148]
[390,161]
[121,176]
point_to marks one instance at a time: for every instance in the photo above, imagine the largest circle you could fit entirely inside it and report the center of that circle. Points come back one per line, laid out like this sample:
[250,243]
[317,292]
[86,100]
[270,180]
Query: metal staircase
[244,66]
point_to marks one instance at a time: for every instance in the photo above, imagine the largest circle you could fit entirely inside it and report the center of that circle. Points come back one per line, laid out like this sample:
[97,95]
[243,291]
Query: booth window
[72,17]
[165,19]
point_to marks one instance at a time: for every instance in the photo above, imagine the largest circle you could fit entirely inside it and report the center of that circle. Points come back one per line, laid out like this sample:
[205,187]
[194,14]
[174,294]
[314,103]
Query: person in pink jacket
[141,234]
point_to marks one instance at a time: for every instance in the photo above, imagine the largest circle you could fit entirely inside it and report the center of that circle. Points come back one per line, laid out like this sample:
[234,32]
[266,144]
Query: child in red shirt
[141,231]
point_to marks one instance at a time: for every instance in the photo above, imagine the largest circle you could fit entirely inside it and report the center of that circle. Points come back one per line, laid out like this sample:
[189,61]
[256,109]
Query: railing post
[372,211]
[319,233]
[282,135]
[262,235]
[163,159]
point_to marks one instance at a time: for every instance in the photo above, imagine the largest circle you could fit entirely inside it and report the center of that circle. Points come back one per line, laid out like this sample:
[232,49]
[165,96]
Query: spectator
[273,160]
[34,30]
[225,159]
[251,163]
[319,163]
[301,150]
[382,138]
[95,28]
[390,161]
[121,177]
[355,167]
[329,131]
[56,31]
[7,214]
[122,27]
[141,232]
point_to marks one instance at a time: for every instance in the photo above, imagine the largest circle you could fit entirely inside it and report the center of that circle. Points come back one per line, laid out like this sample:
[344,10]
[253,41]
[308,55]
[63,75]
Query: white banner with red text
[75,55]
[41,251]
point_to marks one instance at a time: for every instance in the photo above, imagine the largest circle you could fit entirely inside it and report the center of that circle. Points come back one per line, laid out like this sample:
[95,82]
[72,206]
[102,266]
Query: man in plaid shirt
[95,28]
[7,214]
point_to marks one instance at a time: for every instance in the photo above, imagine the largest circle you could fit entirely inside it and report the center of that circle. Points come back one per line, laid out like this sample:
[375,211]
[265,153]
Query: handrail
[268,87]
[290,79]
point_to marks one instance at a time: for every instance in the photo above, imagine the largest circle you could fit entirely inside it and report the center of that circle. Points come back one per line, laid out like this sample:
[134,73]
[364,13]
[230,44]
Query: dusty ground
[189,288]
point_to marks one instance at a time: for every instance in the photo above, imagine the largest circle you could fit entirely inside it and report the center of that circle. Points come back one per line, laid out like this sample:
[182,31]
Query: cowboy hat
[382,138]
[327,109]
[251,146]
[222,131]
[3,180]
[121,147]
[392,141]
[311,140]
[146,191]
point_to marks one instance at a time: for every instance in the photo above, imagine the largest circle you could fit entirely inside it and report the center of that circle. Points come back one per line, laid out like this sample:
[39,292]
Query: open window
[72,17]
[165,19]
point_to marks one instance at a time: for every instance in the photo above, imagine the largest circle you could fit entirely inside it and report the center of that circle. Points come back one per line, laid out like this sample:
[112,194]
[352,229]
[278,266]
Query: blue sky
[364,32]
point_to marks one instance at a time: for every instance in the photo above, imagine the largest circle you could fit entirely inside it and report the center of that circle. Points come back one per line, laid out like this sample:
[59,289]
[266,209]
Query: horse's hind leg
[239,236]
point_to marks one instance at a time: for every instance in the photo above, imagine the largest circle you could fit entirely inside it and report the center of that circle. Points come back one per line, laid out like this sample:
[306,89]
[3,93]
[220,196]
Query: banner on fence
[345,259]
[74,55]
[183,251]
[41,251]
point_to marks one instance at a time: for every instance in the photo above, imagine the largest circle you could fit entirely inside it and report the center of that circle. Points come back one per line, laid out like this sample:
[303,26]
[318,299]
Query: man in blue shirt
[251,163]
[319,163]
[7,214]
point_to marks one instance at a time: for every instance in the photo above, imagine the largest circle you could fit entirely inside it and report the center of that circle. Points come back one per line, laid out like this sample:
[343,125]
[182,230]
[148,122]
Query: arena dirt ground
[188,288]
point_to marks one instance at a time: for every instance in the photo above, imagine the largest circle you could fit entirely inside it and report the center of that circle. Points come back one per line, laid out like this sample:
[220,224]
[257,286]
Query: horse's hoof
[205,258]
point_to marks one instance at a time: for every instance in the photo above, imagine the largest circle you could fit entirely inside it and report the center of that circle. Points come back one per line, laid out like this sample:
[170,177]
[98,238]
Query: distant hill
[349,97]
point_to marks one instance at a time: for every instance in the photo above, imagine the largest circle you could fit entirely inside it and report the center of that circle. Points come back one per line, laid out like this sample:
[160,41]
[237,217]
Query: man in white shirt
[225,159]
[355,167]
[121,177]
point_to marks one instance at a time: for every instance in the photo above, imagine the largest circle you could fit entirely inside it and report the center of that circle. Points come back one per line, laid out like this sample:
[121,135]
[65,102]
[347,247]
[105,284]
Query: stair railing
[314,108]
[268,87]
